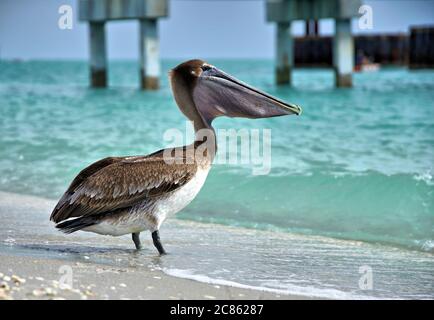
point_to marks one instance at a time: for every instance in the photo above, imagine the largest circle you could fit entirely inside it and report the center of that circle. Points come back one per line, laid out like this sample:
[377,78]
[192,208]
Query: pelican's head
[201,88]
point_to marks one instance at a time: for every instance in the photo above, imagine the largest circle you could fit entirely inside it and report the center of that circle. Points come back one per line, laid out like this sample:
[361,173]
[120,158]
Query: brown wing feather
[115,183]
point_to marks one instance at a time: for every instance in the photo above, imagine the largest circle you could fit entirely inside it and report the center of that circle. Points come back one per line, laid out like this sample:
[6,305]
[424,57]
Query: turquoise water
[357,164]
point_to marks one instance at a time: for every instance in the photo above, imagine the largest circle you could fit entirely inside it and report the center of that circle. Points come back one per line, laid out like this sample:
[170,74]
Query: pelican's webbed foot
[136,240]
[157,242]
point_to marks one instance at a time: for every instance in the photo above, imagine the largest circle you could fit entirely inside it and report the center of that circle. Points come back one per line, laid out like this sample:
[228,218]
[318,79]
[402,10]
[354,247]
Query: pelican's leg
[136,240]
[157,242]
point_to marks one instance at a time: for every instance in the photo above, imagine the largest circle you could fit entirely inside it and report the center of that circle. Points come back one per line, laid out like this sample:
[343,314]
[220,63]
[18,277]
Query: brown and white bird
[121,195]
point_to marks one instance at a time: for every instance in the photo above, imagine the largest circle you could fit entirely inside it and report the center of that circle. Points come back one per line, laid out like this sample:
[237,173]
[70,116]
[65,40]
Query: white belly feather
[179,199]
[138,219]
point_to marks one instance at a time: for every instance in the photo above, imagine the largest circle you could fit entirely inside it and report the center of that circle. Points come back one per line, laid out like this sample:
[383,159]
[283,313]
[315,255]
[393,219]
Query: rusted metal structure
[421,47]
[386,49]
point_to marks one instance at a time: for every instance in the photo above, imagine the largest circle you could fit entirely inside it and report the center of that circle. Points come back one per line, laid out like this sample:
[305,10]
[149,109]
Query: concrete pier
[149,54]
[343,53]
[147,12]
[283,12]
[284,53]
[98,55]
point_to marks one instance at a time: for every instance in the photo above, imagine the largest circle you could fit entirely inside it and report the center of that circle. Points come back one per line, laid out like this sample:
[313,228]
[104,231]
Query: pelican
[127,195]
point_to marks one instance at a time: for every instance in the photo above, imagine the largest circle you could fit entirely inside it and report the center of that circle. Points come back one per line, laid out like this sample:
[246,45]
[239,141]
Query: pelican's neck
[205,138]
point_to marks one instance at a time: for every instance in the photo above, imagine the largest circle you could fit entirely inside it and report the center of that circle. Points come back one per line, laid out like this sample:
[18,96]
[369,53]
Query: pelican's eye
[206,67]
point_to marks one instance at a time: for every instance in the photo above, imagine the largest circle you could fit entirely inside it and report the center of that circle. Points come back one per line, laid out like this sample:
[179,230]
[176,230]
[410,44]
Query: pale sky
[194,28]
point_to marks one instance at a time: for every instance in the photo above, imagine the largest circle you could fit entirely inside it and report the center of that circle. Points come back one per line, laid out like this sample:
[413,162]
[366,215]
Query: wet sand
[38,278]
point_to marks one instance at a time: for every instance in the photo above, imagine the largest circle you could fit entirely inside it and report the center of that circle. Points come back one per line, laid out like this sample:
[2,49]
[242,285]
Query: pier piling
[284,53]
[149,54]
[147,12]
[98,56]
[343,53]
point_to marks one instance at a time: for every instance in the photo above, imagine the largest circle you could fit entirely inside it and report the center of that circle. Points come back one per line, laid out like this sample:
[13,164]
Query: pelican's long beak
[234,98]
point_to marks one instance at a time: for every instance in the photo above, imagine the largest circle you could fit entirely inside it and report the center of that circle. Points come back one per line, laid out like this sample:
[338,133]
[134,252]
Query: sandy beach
[38,278]
[30,271]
